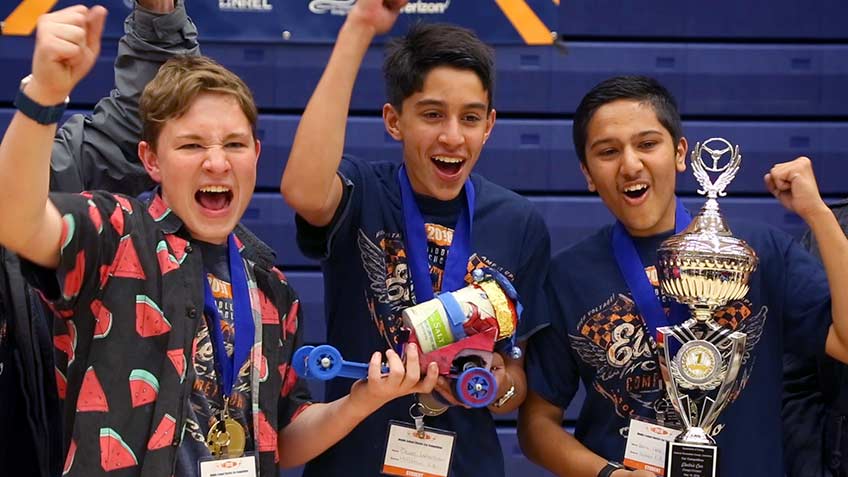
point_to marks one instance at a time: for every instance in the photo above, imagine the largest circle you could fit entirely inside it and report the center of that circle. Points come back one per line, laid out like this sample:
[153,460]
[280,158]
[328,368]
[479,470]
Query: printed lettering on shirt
[613,339]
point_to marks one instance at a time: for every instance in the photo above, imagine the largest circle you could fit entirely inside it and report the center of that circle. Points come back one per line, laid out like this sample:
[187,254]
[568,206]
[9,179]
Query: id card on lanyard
[227,436]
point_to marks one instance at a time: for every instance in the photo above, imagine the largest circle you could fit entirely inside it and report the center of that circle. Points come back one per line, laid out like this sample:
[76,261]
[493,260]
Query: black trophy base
[691,460]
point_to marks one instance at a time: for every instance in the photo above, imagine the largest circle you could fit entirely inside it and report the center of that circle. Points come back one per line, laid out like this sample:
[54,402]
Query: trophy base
[691,460]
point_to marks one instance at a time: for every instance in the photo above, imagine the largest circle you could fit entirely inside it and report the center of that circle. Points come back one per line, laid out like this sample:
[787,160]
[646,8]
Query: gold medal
[226,437]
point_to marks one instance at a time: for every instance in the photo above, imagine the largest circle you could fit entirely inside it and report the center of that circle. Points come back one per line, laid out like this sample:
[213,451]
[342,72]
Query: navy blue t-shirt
[593,316]
[367,284]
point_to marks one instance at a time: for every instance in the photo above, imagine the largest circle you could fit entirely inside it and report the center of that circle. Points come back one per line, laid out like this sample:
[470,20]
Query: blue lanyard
[225,366]
[415,238]
[627,257]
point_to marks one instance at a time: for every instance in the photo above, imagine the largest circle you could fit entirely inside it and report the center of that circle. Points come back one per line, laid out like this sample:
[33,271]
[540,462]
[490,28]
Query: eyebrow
[435,102]
[639,135]
[197,137]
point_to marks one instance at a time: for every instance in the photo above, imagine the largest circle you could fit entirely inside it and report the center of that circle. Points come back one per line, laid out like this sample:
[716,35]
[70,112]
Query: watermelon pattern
[114,452]
[91,397]
[94,215]
[164,433]
[128,402]
[73,278]
[144,387]
[103,325]
[149,318]
[167,262]
[61,384]
[179,361]
[69,459]
[127,264]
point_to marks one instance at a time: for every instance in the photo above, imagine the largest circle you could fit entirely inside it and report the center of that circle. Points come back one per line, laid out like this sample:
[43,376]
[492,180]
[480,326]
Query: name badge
[646,446]
[412,455]
[237,467]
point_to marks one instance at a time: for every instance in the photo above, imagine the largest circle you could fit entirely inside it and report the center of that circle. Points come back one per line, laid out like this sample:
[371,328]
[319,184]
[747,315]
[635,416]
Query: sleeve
[806,313]
[318,242]
[551,369]
[99,152]
[90,243]
[530,278]
[297,394]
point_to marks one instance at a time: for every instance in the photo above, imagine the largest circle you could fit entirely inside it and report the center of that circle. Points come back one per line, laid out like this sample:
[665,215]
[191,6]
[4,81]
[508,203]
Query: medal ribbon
[415,238]
[225,366]
[633,270]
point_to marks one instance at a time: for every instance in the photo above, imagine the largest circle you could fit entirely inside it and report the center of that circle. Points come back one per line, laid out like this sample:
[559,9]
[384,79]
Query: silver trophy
[703,267]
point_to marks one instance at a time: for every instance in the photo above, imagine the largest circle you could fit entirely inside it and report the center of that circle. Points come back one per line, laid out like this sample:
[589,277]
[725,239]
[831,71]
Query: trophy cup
[703,267]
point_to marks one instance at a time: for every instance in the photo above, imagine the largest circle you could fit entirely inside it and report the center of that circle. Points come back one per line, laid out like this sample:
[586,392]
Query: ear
[680,159]
[258,146]
[150,160]
[391,118]
[490,123]
[590,184]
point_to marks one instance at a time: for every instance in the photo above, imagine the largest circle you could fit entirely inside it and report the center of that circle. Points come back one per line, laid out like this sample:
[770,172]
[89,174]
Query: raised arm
[794,185]
[99,151]
[310,184]
[66,46]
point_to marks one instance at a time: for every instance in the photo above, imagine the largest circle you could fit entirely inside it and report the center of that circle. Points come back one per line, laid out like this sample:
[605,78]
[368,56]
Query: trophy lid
[705,266]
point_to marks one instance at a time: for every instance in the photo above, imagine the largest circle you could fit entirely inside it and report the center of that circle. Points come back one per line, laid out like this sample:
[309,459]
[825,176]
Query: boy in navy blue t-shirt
[351,214]
[628,136]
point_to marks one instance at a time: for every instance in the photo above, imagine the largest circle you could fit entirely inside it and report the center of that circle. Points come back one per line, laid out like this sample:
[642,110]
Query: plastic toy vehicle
[458,330]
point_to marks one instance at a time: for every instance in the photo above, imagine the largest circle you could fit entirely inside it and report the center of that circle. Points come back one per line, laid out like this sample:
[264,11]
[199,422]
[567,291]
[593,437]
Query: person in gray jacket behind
[815,402]
[97,151]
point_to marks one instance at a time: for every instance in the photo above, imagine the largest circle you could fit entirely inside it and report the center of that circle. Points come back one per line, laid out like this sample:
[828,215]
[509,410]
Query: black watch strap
[37,112]
[609,469]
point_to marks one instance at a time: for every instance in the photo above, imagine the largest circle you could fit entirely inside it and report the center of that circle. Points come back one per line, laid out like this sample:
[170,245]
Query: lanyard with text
[226,367]
[627,257]
[415,238]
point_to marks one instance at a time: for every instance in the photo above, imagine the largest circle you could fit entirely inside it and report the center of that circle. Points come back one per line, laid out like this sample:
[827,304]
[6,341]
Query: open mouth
[214,197]
[448,165]
[636,191]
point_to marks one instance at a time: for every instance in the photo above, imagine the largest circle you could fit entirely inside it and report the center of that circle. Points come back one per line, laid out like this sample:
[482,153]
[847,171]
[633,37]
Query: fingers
[427,384]
[375,365]
[413,369]
[95,21]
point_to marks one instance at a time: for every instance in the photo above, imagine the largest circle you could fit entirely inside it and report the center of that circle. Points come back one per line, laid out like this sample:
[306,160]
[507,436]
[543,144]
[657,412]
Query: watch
[38,112]
[507,395]
[609,469]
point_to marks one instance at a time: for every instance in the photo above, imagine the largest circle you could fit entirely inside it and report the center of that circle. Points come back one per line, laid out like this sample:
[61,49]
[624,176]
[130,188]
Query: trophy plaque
[704,267]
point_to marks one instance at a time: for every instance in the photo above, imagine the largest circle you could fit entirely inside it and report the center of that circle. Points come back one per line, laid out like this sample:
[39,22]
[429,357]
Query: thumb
[94,27]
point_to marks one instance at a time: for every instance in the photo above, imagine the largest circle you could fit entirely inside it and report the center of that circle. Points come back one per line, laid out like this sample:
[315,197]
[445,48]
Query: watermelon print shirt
[129,294]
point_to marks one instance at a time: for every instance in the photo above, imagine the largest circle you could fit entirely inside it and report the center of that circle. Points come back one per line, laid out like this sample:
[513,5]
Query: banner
[510,22]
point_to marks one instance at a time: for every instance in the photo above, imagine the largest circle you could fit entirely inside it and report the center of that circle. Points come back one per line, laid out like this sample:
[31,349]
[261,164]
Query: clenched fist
[67,43]
[794,185]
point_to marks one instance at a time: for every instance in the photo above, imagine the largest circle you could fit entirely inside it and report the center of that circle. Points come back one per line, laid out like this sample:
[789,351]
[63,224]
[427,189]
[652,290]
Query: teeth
[635,188]
[448,160]
[214,189]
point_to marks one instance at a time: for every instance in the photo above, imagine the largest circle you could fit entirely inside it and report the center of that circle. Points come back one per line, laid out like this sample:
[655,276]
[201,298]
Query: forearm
[310,175]
[544,441]
[317,428]
[834,253]
[24,173]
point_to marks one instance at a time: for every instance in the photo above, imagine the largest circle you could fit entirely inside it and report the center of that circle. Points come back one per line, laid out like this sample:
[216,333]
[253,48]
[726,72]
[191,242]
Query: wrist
[508,393]
[41,94]
[359,27]
[612,469]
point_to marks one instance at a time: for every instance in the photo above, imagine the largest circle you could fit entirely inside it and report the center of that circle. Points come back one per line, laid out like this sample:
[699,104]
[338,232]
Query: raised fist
[67,43]
[378,14]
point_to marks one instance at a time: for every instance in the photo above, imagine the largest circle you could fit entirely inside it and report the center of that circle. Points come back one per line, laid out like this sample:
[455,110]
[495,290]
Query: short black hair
[429,45]
[638,88]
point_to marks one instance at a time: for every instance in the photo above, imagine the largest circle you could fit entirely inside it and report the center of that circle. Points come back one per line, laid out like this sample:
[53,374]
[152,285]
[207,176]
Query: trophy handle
[728,384]
[674,394]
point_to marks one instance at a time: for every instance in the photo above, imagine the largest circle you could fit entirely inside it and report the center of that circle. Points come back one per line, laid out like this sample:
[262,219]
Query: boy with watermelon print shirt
[129,283]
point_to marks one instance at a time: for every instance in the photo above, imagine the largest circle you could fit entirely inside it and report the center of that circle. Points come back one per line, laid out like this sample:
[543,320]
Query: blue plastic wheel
[324,362]
[476,387]
[299,360]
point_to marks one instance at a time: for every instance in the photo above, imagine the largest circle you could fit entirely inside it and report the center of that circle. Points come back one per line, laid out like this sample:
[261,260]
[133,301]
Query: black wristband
[609,469]
[38,112]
